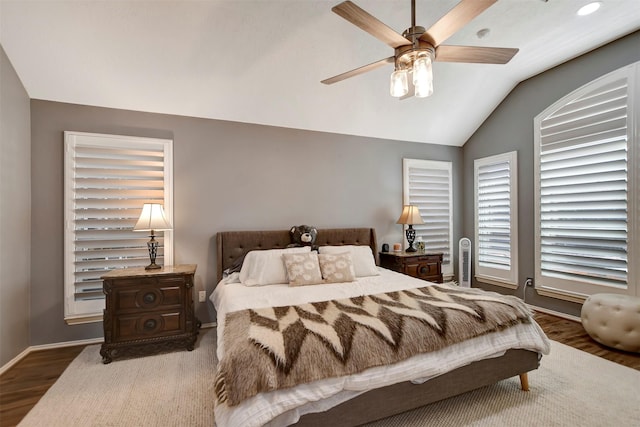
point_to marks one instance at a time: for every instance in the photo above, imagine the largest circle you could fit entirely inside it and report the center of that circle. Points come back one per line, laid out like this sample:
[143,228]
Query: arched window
[587,159]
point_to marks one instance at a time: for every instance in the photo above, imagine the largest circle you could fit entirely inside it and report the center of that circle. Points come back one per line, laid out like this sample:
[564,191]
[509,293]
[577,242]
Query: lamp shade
[152,218]
[410,215]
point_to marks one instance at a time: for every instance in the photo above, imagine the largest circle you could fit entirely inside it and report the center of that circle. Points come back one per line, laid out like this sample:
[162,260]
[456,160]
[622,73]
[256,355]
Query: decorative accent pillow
[364,264]
[303,269]
[337,268]
[266,267]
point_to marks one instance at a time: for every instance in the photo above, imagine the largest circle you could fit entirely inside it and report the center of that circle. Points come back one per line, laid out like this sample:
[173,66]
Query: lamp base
[411,237]
[152,245]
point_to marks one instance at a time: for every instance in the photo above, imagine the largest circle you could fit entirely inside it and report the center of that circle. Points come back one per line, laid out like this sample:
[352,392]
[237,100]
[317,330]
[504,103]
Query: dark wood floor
[22,386]
[27,381]
[572,333]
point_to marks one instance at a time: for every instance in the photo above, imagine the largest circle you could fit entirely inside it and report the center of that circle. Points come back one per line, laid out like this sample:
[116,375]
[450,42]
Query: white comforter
[284,407]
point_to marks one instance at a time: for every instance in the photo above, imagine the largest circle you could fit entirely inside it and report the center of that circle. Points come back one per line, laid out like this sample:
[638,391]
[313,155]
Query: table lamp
[410,216]
[152,219]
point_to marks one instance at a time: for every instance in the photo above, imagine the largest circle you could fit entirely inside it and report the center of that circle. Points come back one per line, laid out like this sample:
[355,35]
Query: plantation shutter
[583,186]
[107,180]
[428,185]
[496,218]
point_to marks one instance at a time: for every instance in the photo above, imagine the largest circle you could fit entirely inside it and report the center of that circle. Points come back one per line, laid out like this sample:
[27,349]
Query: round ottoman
[613,320]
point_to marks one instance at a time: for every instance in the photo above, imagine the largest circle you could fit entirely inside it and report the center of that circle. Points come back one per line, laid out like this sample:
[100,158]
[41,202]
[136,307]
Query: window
[428,185]
[107,180]
[496,219]
[587,213]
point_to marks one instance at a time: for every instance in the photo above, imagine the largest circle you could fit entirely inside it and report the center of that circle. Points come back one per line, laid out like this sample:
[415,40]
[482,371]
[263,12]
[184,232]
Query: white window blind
[496,219]
[586,182]
[107,180]
[428,185]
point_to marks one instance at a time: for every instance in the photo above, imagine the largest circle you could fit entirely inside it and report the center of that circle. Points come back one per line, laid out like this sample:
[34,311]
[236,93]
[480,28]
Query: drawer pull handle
[150,324]
[424,270]
[149,298]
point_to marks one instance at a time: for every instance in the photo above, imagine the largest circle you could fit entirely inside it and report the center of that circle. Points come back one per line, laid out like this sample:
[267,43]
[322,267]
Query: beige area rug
[571,388]
[170,389]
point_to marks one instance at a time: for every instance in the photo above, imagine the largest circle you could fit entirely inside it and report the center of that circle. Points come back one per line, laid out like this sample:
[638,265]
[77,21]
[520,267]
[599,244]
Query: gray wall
[510,128]
[15,212]
[227,176]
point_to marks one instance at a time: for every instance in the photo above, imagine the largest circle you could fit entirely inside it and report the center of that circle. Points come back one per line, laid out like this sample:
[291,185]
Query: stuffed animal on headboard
[303,235]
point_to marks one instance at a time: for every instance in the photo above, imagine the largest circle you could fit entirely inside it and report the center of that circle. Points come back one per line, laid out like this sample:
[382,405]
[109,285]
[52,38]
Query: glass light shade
[152,218]
[399,83]
[421,69]
[423,76]
[422,91]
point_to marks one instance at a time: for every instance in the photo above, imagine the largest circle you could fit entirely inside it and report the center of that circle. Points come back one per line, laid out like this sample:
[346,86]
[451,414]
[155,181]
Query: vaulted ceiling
[262,61]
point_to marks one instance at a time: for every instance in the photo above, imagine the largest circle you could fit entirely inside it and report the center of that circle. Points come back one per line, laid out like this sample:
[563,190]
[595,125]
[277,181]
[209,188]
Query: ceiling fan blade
[357,71]
[455,19]
[478,55]
[360,18]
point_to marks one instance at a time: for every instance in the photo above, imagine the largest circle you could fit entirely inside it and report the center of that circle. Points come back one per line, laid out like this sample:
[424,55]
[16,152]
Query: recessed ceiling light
[588,9]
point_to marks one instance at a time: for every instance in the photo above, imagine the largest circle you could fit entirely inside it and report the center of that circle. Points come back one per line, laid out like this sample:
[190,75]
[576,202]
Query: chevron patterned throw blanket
[279,347]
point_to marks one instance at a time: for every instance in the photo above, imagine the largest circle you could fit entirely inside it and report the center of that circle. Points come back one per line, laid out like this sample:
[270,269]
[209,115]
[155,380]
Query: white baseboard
[555,313]
[33,348]
[89,341]
[15,360]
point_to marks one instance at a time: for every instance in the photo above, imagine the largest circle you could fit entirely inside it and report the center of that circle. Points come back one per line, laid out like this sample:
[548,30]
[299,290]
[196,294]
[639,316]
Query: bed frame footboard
[398,398]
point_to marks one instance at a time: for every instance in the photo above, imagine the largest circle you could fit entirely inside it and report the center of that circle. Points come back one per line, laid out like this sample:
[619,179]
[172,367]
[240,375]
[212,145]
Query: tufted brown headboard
[233,244]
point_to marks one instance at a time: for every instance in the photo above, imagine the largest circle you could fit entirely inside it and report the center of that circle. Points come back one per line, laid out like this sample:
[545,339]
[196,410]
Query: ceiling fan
[417,48]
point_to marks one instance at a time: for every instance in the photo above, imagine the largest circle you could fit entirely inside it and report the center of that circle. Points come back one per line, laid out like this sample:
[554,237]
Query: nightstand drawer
[424,258]
[148,325]
[421,270]
[425,266]
[149,294]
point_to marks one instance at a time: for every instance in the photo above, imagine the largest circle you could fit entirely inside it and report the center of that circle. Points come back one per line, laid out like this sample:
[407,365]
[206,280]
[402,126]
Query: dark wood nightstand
[426,266]
[148,311]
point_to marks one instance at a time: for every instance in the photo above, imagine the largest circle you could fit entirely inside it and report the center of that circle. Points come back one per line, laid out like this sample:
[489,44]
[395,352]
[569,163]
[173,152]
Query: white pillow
[364,263]
[266,267]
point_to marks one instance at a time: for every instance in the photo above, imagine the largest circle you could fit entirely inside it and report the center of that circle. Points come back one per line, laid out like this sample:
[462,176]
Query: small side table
[148,311]
[423,265]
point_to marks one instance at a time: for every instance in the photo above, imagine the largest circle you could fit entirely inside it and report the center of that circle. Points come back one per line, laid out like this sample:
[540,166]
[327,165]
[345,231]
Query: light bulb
[422,70]
[399,83]
[423,76]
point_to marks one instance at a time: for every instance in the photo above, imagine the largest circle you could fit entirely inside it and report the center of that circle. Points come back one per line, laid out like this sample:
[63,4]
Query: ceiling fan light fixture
[399,83]
[415,49]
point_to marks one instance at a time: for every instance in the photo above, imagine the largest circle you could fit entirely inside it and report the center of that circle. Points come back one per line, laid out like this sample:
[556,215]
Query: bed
[380,391]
